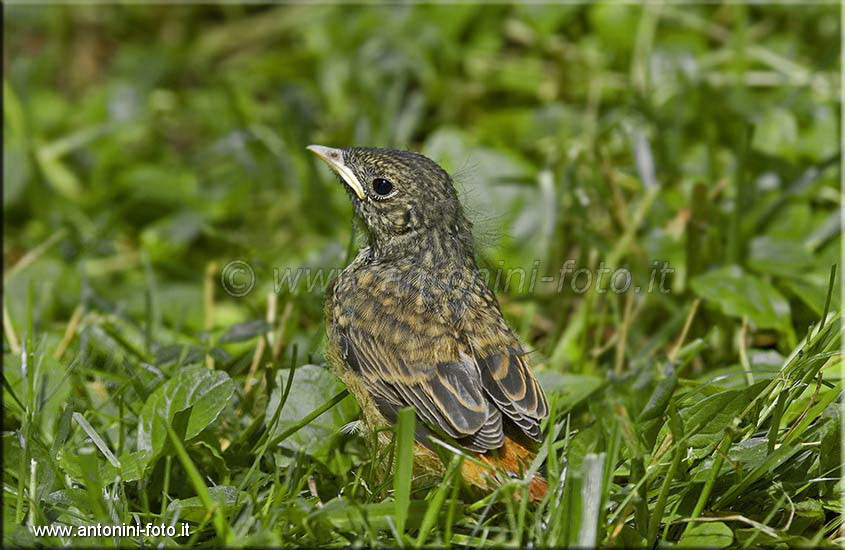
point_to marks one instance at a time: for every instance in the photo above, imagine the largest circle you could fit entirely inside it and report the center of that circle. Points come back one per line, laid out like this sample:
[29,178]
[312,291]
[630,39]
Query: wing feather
[490,436]
[514,389]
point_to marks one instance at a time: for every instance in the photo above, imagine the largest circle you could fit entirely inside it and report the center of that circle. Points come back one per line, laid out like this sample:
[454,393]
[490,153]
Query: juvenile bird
[411,322]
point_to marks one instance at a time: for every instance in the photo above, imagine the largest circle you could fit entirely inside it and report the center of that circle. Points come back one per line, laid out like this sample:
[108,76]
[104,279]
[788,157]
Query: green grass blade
[221,526]
[435,504]
[830,285]
[591,492]
[340,396]
[404,464]
[721,452]
[676,426]
[95,437]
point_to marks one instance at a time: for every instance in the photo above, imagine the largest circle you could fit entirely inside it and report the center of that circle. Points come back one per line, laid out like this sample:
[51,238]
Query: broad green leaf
[793,222]
[811,510]
[205,391]
[749,454]
[132,465]
[312,387]
[819,141]
[67,498]
[779,257]
[776,134]
[192,509]
[707,418]
[615,24]
[739,294]
[343,514]
[707,535]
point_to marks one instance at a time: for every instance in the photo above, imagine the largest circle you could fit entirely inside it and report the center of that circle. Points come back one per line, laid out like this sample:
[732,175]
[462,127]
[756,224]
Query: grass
[146,148]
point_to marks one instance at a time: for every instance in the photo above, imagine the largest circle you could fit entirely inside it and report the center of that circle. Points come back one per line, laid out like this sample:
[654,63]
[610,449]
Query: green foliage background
[145,147]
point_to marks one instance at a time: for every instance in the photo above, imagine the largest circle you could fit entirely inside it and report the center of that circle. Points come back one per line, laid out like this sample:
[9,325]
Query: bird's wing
[420,372]
[408,354]
[505,374]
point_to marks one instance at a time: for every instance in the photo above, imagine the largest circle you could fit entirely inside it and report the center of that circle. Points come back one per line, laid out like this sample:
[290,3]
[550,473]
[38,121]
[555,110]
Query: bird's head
[405,199]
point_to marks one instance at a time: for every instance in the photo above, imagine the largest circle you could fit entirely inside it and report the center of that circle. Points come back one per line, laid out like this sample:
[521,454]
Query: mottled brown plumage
[410,321]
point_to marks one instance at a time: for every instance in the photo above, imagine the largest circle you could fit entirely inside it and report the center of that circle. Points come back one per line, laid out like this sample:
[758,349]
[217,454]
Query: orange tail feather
[511,460]
[537,489]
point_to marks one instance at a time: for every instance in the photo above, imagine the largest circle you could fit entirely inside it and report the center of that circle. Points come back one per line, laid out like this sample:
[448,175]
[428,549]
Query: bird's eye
[382,187]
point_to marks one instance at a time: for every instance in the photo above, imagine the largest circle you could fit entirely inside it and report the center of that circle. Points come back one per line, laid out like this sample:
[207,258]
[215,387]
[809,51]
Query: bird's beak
[334,158]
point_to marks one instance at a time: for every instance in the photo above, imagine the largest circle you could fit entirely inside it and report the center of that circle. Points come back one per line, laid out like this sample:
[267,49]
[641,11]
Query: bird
[410,322]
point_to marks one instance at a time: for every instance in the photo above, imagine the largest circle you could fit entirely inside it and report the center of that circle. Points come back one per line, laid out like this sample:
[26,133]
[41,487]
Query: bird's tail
[511,460]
